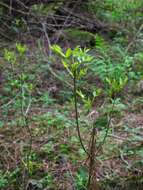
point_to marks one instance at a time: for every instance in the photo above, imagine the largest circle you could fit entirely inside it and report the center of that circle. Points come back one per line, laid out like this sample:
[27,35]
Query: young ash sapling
[74,62]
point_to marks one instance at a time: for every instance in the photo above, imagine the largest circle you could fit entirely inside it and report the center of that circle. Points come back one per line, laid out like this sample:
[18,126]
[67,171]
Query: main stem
[76,113]
[92,183]
[92,180]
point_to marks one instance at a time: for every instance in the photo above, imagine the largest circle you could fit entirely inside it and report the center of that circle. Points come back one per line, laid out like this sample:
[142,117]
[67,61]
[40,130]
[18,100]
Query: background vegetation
[71,86]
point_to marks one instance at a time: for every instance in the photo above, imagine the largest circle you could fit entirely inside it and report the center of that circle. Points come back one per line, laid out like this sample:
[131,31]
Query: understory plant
[115,77]
[74,61]
[22,90]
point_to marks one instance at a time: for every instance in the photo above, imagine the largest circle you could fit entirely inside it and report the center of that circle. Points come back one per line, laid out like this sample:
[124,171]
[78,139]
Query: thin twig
[47,38]
[10,102]
[107,127]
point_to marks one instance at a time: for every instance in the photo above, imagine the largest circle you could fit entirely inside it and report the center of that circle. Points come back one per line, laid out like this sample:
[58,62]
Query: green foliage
[116,11]
[53,119]
[3,180]
[45,99]
[138,57]
[81,179]
[10,56]
[118,109]
[113,72]
[21,48]
[75,62]
[20,76]
[114,62]
[45,182]
[48,148]
[74,59]
[100,42]
[115,85]
[18,81]
[65,149]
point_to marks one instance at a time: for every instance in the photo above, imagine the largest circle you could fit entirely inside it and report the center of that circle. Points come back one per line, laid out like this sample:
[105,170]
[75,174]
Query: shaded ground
[56,150]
